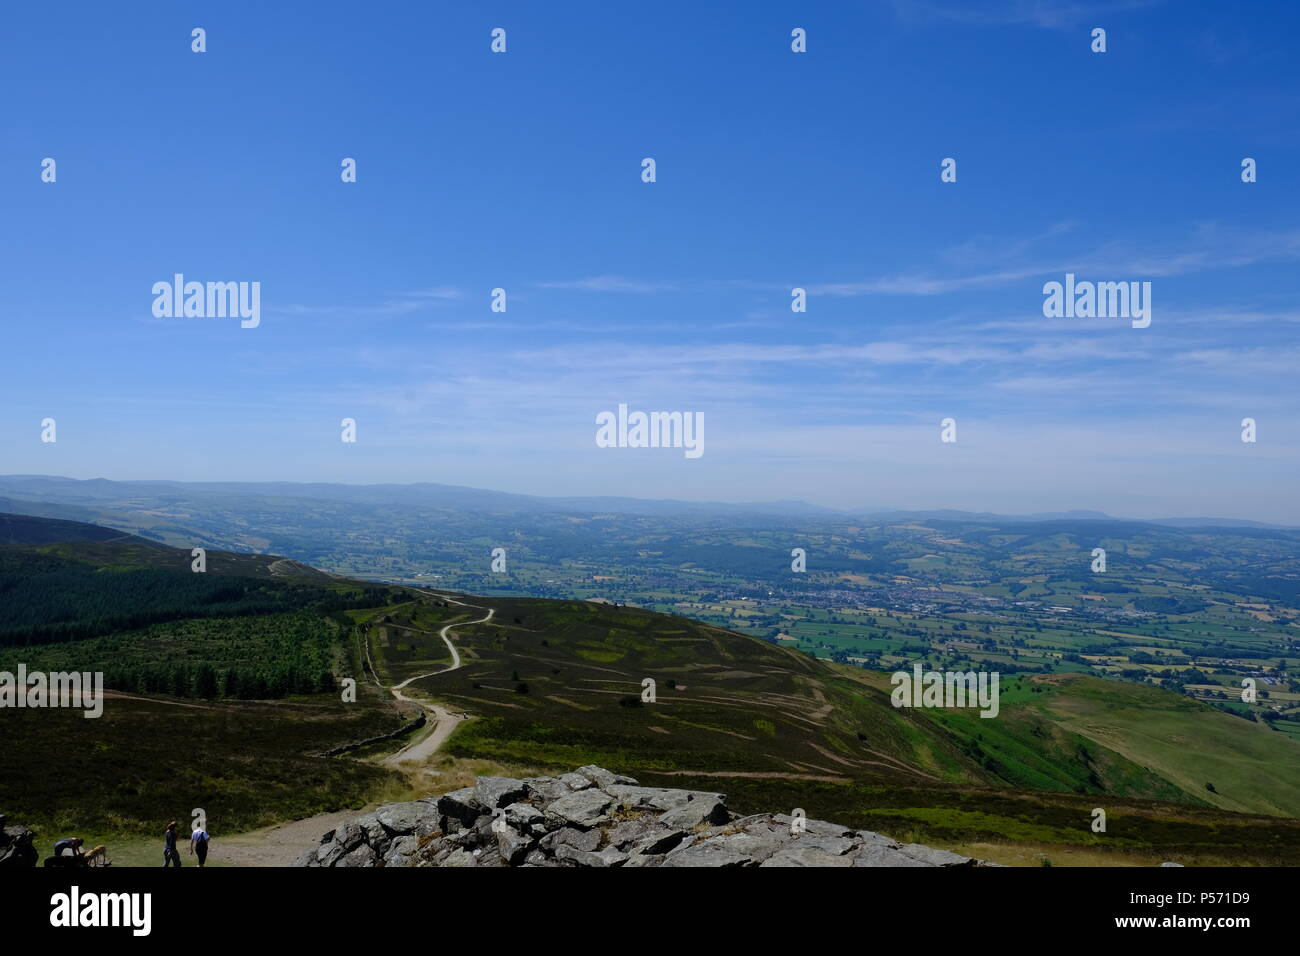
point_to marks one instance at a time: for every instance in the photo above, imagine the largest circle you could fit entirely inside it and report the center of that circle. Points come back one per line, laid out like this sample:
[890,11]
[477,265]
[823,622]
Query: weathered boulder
[546,789]
[492,792]
[363,855]
[799,854]
[571,836]
[514,846]
[400,819]
[720,851]
[524,814]
[932,857]
[706,809]
[584,808]
[459,806]
[601,777]
[401,852]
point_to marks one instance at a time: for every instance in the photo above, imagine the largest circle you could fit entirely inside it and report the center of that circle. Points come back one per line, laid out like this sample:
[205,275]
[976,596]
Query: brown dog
[98,856]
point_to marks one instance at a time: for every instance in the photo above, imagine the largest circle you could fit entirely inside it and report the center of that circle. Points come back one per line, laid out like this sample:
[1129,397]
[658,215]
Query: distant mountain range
[75,499]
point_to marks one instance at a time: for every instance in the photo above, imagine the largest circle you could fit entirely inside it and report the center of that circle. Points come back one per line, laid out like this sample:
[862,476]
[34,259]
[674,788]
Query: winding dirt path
[442,721]
[283,844]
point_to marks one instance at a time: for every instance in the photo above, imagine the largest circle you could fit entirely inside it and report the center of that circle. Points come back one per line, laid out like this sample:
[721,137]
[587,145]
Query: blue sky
[774,170]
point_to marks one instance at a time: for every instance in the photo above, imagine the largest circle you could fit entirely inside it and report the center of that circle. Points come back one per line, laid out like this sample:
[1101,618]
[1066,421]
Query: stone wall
[416,724]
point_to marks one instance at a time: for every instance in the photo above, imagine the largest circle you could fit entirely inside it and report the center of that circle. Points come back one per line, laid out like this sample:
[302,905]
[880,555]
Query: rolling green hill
[101,547]
[555,684]
[558,681]
[1187,743]
[79,596]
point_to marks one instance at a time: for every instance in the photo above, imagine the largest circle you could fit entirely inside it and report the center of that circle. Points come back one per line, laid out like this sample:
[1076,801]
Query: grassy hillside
[559,681]
[556,684]
[556,681]
[101,547]
[1080,733]
[1252,769]
[79,596]
[75,596]
[147,761]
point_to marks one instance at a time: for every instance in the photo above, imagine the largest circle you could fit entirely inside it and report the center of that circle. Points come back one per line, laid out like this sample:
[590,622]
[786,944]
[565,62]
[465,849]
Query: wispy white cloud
[438,292]
[378,310]
[1049,14]
[920,284]
[398,303]
[612,284]
[1210,247]
[1246,361]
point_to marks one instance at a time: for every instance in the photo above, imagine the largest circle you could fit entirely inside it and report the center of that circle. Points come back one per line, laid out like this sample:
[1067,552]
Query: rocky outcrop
[593,817]
[16,847]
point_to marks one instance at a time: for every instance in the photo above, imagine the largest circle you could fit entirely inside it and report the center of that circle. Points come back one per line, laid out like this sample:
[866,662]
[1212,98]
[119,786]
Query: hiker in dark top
[71,843]
[169,846]
[199,845]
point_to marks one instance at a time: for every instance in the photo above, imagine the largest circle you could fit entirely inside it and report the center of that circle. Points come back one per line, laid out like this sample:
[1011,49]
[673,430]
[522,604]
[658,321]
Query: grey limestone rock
[593,817]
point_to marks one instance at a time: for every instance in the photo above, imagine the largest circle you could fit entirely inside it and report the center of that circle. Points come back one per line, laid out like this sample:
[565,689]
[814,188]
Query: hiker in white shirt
[199,844]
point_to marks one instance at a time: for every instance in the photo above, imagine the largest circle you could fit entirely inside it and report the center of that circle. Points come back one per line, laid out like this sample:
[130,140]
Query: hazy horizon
[770,503]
